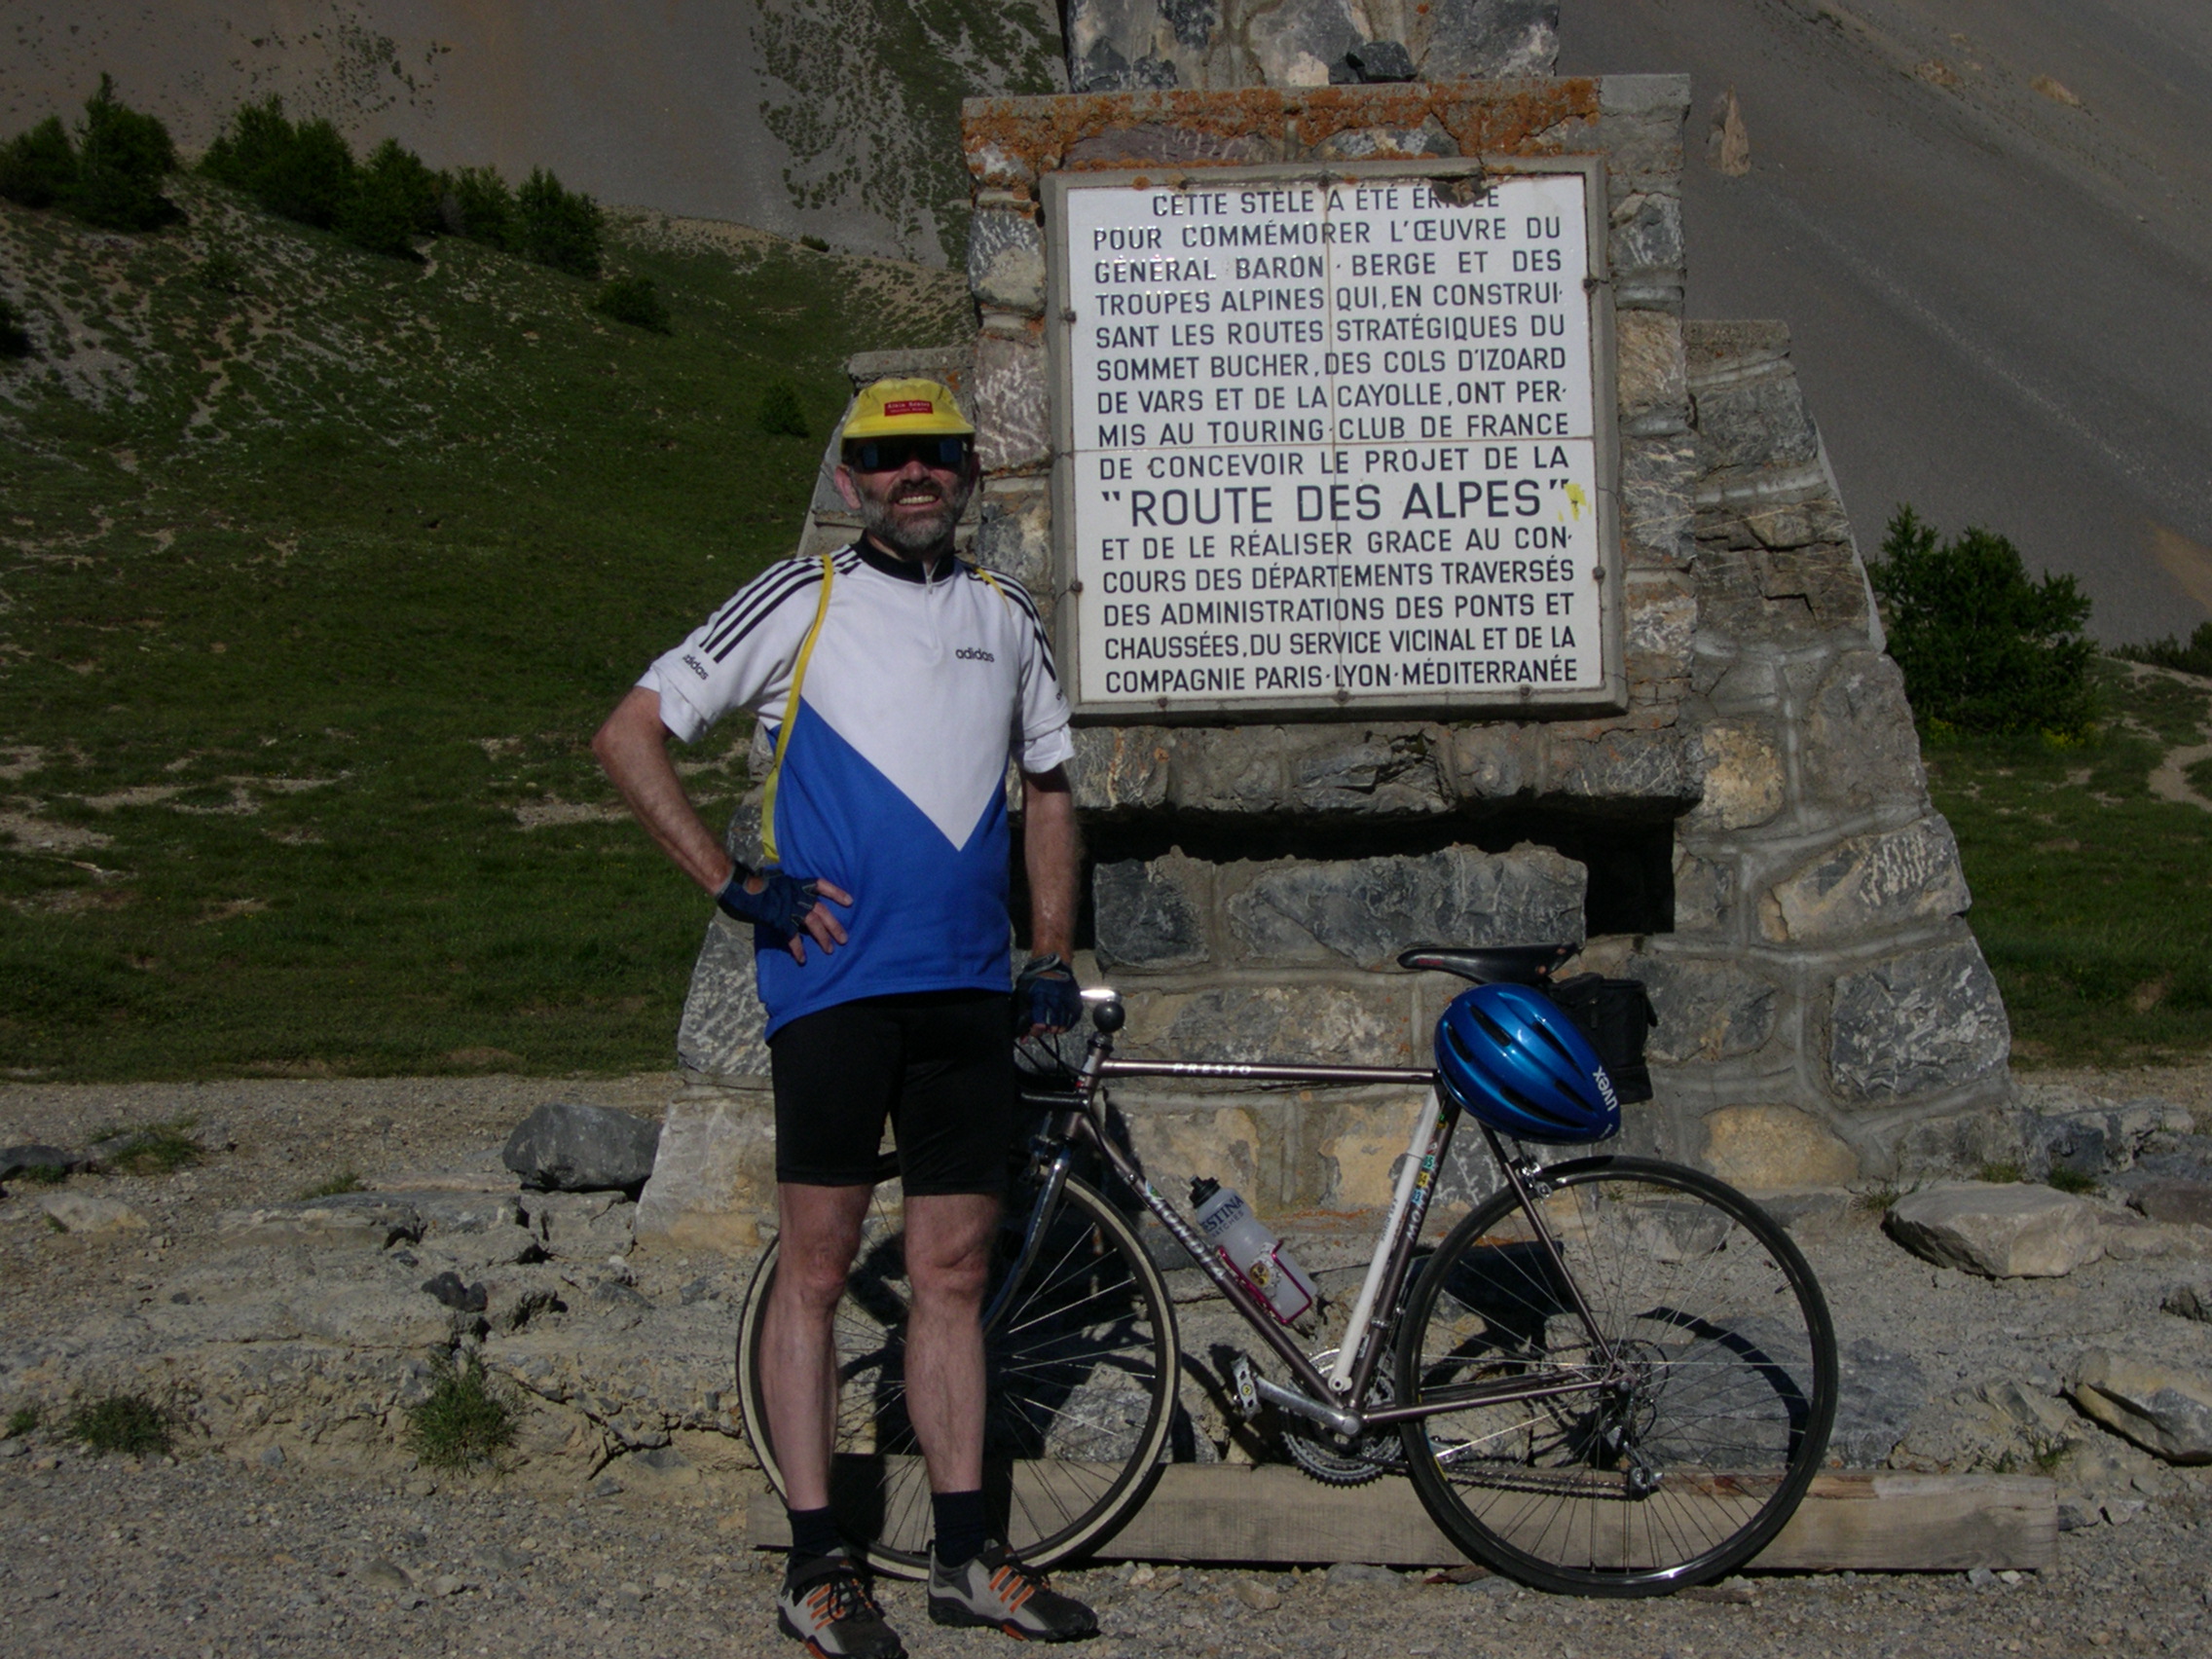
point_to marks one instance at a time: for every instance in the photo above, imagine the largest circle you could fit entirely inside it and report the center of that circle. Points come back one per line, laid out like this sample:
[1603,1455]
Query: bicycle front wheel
[1672,1464]
[1079,1390]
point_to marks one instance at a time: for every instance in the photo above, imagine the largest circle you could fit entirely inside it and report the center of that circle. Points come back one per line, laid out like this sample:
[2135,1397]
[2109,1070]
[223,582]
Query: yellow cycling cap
[895,408]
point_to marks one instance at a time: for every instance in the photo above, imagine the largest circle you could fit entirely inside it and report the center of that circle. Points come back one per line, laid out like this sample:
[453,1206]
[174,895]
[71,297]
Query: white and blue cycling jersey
[916,691]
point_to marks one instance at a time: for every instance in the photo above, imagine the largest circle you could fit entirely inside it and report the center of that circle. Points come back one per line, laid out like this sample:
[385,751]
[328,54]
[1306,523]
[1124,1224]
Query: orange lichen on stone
[1006,136]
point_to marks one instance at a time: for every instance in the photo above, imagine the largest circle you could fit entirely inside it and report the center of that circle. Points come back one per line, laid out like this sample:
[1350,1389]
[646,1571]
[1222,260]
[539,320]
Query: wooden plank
[1863,1521]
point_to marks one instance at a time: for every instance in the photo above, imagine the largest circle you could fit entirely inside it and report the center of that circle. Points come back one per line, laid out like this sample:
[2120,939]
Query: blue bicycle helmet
[1507,1054]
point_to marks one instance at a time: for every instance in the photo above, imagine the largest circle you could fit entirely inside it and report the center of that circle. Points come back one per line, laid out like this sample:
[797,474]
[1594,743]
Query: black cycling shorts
[939,1066]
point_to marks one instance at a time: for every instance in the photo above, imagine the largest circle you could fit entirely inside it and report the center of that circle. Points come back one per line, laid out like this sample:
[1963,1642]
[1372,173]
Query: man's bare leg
[798,1361]
[948,1263]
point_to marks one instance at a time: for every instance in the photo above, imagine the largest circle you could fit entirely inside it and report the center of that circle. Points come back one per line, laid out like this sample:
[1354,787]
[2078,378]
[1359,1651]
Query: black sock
[961,1527]
[813,1535]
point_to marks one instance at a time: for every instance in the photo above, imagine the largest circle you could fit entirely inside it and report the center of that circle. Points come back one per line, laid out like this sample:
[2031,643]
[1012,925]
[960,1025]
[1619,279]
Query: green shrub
[129,1424]
[150,1149]
[21,1422]
[2193,657]
[394,200]
[477,203]
[121,158]
[2005,1174]
[560,228]
[2071,1180]
[464,1421]
[337,1185]
[814,243]
[781,415]
[634,300]
[220,272]
[302,172]
[14,338]
[39,167]
[1984,647]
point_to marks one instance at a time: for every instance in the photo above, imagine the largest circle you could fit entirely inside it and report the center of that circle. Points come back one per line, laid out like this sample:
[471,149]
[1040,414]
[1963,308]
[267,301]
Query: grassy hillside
[310,595]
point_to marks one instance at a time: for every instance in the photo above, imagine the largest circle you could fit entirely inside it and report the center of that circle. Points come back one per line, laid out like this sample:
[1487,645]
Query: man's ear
[842,477]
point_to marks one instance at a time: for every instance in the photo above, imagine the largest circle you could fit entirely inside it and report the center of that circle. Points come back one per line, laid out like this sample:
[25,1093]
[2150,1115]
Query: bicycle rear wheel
[1080,1389]
[1687,1459]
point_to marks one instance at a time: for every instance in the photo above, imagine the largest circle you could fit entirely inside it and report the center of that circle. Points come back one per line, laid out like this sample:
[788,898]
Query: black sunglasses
[889,455]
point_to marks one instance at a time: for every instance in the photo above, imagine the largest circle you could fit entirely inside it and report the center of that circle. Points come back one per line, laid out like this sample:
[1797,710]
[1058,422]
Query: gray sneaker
[995,1589]
[825,1605]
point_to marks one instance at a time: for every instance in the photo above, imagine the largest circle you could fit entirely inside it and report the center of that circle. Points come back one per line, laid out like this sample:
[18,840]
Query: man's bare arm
[632,749]
[1051,849]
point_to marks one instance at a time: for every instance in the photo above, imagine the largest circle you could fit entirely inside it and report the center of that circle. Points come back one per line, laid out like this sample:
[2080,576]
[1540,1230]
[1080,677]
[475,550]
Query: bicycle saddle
[1490,964]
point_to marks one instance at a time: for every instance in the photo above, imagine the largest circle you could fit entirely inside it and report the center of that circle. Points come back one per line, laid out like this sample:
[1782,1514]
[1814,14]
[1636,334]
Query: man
[896,680]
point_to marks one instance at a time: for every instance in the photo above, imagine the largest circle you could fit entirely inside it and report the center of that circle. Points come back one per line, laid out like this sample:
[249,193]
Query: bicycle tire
[1080,1389]
[1723,1421]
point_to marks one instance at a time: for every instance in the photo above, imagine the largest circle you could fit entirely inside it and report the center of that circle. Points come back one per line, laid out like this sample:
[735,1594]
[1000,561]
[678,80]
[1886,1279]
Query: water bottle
[1257,1255]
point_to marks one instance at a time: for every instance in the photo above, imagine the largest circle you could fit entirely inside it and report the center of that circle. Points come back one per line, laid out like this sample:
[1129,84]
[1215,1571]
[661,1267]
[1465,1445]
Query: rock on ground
[2000,1231]
[2163,1408]
[567,1147]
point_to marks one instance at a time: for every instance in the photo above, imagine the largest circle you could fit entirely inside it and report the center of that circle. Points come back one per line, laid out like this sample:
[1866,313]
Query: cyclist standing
[898,682]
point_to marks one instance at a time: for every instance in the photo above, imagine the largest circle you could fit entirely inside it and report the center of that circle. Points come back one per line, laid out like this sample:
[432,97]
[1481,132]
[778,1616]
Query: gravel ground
[209,1556]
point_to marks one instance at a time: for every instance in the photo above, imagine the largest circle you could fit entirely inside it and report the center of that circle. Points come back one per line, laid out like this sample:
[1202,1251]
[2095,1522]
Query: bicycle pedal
[1247,1390]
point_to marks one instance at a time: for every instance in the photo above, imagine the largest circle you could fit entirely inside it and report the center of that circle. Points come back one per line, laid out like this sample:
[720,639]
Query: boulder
[2000,1231]
[36,1157]
[2176,1202]
[1879,1391]
[568,1146]
[80,1213]
[2161,1407]
[2189,1300]
[714,1185]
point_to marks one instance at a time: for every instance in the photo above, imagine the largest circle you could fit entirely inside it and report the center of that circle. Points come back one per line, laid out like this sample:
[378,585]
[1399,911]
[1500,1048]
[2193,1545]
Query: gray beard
[914,540]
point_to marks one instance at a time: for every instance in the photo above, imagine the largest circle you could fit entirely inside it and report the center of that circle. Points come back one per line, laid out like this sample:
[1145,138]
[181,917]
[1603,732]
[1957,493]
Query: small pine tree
[477,203]
[38,167]
[121,158]
[635,301]
[1984,647]
[2191,657]
[560,228]
[14,338]
[781,415]
[394,200]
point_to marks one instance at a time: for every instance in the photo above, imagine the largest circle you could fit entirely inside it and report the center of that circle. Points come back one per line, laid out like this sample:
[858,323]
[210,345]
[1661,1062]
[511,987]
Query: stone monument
[1596,660]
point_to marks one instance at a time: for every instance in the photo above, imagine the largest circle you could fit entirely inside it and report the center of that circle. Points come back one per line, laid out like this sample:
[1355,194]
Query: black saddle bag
[1616,1015]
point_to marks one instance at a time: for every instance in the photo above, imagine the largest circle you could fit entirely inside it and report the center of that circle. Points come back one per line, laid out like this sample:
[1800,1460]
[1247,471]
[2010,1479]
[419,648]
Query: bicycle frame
[1331,1398]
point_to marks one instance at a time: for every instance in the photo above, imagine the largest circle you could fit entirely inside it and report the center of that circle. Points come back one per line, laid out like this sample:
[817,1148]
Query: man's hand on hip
[1046,996]
[788,904]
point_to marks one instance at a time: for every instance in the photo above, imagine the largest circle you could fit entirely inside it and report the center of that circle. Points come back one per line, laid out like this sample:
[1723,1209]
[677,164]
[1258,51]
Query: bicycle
[1613,1376]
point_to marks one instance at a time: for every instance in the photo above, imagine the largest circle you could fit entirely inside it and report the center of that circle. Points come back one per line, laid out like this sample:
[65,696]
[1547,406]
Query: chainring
[1331,1459]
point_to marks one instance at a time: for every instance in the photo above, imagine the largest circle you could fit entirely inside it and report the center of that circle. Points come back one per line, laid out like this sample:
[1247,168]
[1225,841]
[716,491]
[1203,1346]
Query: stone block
[1006,257]
[1771,1149]
[1704,890]
[1859,749]
[1014,536]
[1012,405]
[1779,525]
[1653,385]
[1644,248]
[1151,914]
[1717,350]
[1659,624]
[571,1146]
[1344,769]
[1639,764]
[1708,1009]
[1299,1020]
[1998,1232]
[1739,761]
[1640,128]
[1781,597]
[1230,769]
[1870,884]
[1658,479]
[1495,759]
[1295,46]
[1917,1023]
[1387,143]
[2164,1408]
[720,1033]
[2175,1201]
[1878,1392]
[1225,1141]
[582,1227]
[714,1184]
[1365,912]
[1118,768]
[1742,686]
[1758,421]
[1483,40]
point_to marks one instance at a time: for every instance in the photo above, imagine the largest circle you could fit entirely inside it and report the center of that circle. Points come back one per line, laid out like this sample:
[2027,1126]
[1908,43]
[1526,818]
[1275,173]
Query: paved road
[2000,298]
